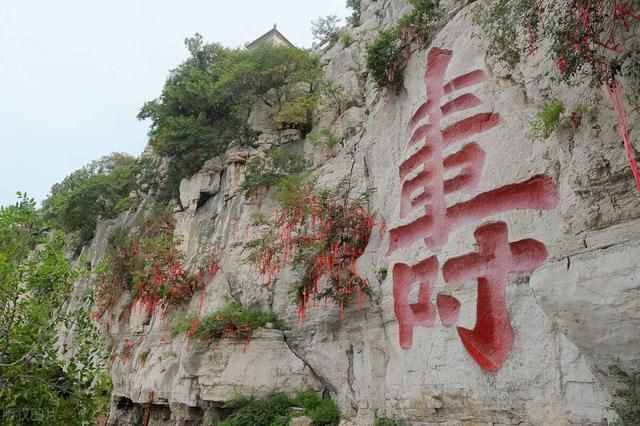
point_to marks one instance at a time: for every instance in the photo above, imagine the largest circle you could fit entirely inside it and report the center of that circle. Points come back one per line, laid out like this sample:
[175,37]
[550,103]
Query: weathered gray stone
[301,421]
[202,185]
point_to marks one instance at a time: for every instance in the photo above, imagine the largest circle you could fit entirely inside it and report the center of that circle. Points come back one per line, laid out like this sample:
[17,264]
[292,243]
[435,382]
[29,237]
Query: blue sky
[74,73]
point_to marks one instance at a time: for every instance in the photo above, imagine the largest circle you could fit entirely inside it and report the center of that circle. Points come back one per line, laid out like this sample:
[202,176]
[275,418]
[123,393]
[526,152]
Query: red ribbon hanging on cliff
[614,92]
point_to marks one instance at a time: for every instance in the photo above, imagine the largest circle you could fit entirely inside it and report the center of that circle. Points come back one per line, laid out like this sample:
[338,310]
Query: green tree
[191,121]
[98,190]
[325,30]
[274,75]
[37,386]
[207,100]
[356,6]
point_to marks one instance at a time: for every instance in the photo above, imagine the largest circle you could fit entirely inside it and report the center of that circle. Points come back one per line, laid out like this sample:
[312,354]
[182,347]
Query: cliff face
[537,356]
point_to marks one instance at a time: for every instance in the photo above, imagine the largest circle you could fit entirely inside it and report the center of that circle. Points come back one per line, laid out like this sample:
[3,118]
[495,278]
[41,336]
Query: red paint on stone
[442,58]
[466,80]
[614,93]
[469,127]
[448,309]
[424,185]
[422,313]
[461,103]
[538,192]
[491,340]
[470,160]
[425,190]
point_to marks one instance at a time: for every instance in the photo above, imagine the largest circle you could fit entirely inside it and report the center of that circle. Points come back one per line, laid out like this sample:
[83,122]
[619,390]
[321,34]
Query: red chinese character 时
[491,340]
[422,313]
[417,314]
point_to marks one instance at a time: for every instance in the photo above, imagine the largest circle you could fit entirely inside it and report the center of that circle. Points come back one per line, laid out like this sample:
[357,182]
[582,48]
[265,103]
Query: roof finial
[275,26]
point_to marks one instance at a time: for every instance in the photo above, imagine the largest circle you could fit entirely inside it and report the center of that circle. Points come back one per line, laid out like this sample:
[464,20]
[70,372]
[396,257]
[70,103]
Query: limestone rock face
[202,185]
[301,421]
[185,372]
[572,296]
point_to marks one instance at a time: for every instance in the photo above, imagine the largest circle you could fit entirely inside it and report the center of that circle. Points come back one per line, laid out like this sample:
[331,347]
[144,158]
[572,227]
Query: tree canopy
[206,101]
[37,386]
[98,190]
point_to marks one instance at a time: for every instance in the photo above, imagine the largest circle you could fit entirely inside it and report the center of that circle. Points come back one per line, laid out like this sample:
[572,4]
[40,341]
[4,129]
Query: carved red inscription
[423,312]
[491,340]
[433,154]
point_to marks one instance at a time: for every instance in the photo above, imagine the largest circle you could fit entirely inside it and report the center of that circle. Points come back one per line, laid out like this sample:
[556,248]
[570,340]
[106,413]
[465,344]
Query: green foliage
[255,412]
[383,55]
[297,113]
[547,120]
[325,30]
[147,263]
[274,411]
[325,231]
[292,188]
[387,56]
[325,413]
[38,386]
[356,7]
[321,411]
[267,172]
[206,101]
[497,22]
[334,97]
[184,324]
[98,190]
[581,38]
[627,403]
[386,421]
[192,121]
[324,137]
[346,39]
[234,320]
[422,20]
[251,75]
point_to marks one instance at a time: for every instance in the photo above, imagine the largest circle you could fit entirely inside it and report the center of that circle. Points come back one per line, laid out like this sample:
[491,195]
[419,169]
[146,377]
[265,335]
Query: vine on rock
[322,233]
[596,39]
[149,265]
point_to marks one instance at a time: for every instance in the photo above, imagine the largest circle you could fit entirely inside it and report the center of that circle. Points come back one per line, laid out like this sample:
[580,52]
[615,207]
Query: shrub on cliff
[37,385]
[321,233]
[274,411]
[588,41]
[148,263]
[98,190]
[231,321]
[267,172]
[389,53]
[206,101]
